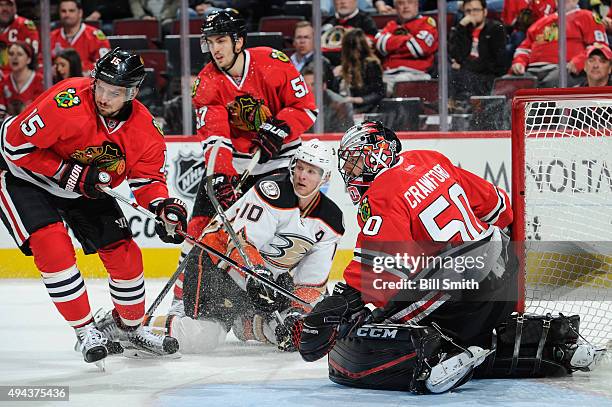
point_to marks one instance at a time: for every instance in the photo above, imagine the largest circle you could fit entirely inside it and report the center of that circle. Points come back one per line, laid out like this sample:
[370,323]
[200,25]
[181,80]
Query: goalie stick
[164,291]
[268,283]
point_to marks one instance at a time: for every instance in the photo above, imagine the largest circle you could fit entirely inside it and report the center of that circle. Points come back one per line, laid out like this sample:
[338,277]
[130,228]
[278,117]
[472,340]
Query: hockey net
[562,198]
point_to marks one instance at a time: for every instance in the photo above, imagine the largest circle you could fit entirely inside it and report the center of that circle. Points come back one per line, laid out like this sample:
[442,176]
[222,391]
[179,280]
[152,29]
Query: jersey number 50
[467,227]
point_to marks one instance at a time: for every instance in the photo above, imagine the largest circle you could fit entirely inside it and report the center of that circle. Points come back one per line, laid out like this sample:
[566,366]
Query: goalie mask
[315,153]
[365,150]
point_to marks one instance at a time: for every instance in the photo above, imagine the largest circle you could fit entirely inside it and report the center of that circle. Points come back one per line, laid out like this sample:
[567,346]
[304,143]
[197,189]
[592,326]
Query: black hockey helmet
[224,22]
[120,68]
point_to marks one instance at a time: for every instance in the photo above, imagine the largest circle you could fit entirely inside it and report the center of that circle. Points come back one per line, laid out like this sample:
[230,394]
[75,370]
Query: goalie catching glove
[265,299]
[270,137]
[172,216]
[84,179]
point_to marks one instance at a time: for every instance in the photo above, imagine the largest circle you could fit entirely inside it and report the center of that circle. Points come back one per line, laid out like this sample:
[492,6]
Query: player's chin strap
[211,250]
[162,294]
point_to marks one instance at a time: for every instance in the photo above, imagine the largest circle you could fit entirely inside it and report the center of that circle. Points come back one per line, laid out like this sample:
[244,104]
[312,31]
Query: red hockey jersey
[270,87]
[423,199]
[21,29]
[89,42]
[13,99]
[411,44]
[540,45]
[539,9]
[63,124]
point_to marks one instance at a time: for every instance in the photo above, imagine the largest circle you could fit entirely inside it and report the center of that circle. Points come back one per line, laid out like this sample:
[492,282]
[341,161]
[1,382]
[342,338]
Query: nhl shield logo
[189,171]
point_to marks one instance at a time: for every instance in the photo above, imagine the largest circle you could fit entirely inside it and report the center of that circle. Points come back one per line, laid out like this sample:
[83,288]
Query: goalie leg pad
[384,357]
[538,346]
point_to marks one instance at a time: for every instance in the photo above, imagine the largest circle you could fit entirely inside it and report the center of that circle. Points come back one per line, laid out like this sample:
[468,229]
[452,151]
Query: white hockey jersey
[302,243]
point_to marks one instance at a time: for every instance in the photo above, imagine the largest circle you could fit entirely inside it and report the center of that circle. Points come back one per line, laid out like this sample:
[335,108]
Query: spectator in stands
[328,8]
[362,79]
[538,54]
[66,64]
[23,84]
[384,6]
[162,10]
[203,8]
[408,44]
[347,16]
[476,48]
[14,28]
[106,11]
[598,66]
[338,112]
[303,42]
[518,15]
[88,41]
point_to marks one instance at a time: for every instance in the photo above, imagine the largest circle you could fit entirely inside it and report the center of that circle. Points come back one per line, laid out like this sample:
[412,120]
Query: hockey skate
[92,344]
[142,342]
[106,324]
[456,370]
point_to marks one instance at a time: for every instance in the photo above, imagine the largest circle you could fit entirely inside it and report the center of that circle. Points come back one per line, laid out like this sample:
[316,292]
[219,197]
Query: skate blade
[132,353]
[101,365]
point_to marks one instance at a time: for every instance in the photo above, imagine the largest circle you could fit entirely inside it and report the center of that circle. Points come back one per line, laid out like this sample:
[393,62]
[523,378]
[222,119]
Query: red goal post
[562,201]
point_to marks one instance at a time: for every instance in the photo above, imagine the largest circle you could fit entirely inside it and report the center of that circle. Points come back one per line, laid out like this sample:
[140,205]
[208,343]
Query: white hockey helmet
[314,152]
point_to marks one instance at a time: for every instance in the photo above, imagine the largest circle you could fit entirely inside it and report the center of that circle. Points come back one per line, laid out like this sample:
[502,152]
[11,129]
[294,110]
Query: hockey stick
[164,291]
[221,214]
[211,250]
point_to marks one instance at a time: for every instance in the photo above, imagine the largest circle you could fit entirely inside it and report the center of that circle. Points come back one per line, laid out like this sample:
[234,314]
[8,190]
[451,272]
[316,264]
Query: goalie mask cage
[562,200]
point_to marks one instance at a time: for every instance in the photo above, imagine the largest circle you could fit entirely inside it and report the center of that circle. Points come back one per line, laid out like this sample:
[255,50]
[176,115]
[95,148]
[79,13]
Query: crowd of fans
[362,62]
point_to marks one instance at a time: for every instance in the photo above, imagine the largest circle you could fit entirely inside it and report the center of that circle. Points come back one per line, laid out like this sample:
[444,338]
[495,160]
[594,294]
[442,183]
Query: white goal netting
[568,212]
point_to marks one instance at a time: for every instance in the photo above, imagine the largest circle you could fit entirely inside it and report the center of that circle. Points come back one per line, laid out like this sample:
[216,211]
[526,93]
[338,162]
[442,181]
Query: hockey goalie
[434,317]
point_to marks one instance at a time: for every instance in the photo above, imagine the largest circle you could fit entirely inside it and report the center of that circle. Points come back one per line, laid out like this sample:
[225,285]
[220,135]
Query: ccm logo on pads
[376,332]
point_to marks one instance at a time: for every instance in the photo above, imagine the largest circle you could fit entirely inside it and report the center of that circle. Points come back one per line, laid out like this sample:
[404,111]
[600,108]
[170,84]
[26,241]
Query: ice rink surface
[36,350]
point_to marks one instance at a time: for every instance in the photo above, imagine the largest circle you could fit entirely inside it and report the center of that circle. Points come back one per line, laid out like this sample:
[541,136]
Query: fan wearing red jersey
[74,138]
[89,42]
[538,54]
[410,42]
[15,28]
[252,99]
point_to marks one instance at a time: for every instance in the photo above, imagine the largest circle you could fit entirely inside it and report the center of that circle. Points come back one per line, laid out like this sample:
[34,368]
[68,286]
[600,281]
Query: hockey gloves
[172,215]
[84,180]
[288,333]
[265,299]
[224,189]
[329,320]
[270,137]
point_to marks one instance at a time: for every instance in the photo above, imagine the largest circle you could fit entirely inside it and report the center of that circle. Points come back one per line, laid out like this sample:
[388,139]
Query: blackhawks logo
[107,157]
[194,87]
[189,170]
[67,98]
[276,54]
[248,113]
[365,211]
